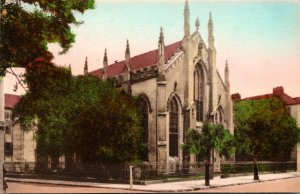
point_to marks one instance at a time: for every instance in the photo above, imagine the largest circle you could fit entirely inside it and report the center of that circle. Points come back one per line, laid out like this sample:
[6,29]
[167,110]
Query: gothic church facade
[178,87]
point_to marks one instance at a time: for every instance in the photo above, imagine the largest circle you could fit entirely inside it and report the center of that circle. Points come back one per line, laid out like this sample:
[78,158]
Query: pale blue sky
[260,39]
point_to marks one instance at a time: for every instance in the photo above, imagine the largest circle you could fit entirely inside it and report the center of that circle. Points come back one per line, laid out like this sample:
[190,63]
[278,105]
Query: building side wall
[29,146]
[295,112]
[18,143]
[176,78]
[148,87]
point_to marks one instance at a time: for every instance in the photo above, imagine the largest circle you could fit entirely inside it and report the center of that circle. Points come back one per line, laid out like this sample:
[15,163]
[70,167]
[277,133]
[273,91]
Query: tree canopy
[263,128]
[27,26]
[79,114]
[212,136]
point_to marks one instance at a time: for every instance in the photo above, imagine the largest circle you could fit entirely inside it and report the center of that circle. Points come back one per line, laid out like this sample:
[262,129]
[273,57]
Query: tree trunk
[2,134]
[55,162]
[207,163]
[255,169]
[206,173]
[70,163]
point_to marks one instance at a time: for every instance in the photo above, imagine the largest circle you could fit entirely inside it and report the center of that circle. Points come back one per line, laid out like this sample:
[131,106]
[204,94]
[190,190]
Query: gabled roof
[11,100]
[278,92]
[138,62]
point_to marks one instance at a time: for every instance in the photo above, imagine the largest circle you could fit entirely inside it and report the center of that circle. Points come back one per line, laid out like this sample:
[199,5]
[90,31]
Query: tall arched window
[144,110]
[173,129]
[220,115]
[199,92]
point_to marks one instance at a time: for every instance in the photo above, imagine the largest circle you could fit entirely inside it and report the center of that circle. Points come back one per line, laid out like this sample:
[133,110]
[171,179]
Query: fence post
[131,178]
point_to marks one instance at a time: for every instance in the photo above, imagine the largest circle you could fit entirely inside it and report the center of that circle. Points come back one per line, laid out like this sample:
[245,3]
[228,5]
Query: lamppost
[2,130]
[3,186]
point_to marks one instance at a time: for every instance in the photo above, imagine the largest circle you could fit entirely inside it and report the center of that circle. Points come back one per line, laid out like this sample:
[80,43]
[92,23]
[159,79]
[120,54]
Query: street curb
[103,185]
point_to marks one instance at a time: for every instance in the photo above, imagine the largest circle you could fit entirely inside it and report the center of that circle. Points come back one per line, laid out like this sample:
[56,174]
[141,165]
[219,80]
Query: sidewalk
[170,187]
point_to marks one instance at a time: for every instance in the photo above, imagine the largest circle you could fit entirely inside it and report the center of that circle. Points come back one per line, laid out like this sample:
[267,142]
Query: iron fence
[263,166]
[104,172]
[141,172]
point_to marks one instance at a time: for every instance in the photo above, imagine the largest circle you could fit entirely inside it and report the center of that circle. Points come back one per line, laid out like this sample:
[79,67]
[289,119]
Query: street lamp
[3,185]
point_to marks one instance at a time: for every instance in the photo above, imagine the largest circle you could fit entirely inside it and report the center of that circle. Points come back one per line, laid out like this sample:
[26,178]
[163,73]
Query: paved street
[18,187]
[284,185]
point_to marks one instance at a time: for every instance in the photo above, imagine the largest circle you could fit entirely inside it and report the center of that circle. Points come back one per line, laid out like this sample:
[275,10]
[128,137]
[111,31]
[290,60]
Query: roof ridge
[139,61]
[288,100]
[13,94]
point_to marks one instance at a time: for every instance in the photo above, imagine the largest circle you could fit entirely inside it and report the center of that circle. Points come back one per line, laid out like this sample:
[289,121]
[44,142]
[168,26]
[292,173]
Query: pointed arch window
[143,109]
[220,115]
[199,92]
[173,128]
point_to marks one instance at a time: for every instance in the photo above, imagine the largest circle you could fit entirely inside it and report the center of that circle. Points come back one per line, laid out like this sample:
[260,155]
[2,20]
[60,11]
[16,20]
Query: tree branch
[17,77]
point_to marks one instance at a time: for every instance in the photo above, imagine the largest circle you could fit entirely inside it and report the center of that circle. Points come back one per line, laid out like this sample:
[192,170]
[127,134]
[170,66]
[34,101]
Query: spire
[105,74]
[127,78]
[127,56]
[210,32]
[161,56]
[197,24]
[186,19]
[161,43]
[210,18]
[70,69]
[127,51]
[226,74]
[85,70]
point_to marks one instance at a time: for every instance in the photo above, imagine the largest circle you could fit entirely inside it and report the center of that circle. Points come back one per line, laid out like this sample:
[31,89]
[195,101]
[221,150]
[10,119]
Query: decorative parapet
[174,60]
[144,74]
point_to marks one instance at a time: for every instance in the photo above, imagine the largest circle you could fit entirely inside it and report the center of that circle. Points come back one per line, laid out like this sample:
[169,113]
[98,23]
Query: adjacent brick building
[292,105]
[19,144]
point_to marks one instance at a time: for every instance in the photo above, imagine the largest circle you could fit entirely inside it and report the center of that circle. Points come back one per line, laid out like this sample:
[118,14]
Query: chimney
[236,97]
[278,90]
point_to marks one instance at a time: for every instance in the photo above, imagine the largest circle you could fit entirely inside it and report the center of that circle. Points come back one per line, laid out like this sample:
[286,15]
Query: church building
[178,87]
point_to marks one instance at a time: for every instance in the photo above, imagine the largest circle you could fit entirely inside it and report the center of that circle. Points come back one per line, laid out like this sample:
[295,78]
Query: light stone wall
[18,144]
[22,141]
[295,112]
[148,88]
[29,146]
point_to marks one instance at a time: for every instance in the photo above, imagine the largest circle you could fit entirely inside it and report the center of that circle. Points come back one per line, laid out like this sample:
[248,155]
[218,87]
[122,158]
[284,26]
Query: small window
[288,110]
[7,130]
[7,115]
[8,149]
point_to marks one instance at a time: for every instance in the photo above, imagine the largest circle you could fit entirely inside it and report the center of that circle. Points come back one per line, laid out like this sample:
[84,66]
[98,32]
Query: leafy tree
[213,136]
[27,26]
[47,99]
[79,115]
[109,130]
[263,129]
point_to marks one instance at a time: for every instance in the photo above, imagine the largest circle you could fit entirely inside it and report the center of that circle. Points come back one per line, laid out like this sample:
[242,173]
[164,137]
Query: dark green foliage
[82,115]
[262,127]
[27,26]
[202,143]
[211,137]
[108,130]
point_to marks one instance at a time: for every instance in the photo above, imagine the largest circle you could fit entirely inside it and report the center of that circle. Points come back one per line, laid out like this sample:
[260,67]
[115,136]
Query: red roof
[279,92]
[138,62]
[11,100]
